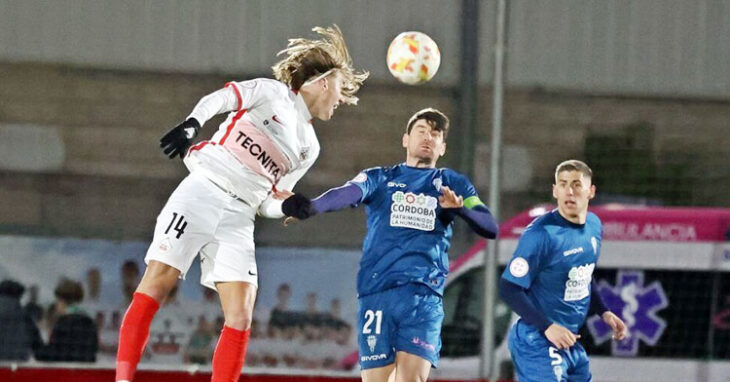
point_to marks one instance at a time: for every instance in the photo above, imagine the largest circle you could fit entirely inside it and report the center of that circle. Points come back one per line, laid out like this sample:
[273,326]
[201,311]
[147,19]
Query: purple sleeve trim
[338,198]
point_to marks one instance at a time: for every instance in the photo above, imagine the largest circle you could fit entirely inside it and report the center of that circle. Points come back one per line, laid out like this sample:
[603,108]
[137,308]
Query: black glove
[298,206]
[177,140]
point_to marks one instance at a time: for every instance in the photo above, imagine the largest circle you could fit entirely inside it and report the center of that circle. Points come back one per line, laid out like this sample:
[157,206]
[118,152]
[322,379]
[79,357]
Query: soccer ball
[413,58]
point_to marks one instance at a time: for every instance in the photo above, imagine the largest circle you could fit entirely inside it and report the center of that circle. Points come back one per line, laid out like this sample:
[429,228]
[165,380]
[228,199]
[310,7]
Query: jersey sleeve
[368,181]
[233,96]
[271,207]
[529,257]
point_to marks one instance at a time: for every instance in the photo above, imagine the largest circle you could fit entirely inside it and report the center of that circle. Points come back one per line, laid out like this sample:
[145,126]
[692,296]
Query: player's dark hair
[436,119]
[11,288]
[573,165]
[130,266]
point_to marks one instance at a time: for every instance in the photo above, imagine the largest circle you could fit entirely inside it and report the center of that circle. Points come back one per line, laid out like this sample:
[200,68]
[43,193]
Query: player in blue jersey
[410,209]
[548,282]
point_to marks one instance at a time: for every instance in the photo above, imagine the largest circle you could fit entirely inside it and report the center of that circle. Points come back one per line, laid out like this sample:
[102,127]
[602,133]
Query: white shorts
[201,218]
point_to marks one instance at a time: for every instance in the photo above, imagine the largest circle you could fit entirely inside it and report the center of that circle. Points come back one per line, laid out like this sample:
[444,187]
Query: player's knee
[411,373]
[238,319]
[411,377]
[157,293]
[158,280]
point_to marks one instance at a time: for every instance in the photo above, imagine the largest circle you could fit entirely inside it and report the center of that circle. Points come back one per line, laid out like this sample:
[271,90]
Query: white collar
[302,107]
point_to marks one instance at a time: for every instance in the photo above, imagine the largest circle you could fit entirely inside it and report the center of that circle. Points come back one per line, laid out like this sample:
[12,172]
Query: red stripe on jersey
[233,123]
[238,94]
[199,146]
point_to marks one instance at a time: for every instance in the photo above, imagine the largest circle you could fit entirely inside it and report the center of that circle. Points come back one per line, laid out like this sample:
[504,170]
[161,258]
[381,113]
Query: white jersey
[267,142]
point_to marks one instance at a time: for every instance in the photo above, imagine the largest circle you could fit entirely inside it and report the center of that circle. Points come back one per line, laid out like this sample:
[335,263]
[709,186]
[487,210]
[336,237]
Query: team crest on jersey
[304,153]
[594,243]
[409,210]
[372,341]
[165,245]
[579,281]
[519,267]
[437,182]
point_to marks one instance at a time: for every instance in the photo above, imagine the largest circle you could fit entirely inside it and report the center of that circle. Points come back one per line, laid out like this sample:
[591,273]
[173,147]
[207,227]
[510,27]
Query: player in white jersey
[255,158]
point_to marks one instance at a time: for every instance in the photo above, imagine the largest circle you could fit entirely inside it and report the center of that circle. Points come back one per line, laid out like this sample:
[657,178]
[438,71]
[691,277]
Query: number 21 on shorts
[371,316]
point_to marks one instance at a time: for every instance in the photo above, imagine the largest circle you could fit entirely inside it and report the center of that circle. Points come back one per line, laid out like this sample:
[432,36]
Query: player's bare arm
[616,324]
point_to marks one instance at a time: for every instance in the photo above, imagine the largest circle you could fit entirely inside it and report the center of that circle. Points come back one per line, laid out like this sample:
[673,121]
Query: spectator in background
[102,311]
[74,335]
[18,333]
[255,352]
[312,303]
[269,346]
[332,318]
[170,332]
[130,279]
[280,315]
[108,337]
[202,342]
[313,320]
[209,307]
[32,308]
[198,347]
[49,319]
[93,285]
[335,310]
[350,357]
[93,301]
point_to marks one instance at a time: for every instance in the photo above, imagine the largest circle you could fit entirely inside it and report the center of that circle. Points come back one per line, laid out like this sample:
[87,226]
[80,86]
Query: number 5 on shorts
[556,358]
[369,317]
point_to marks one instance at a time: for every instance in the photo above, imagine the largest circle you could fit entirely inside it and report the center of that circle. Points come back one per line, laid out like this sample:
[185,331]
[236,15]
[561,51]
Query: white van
[664,270]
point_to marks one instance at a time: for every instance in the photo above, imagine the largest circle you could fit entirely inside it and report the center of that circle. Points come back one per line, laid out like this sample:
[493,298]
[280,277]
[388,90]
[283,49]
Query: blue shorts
[407,318]
[537,360]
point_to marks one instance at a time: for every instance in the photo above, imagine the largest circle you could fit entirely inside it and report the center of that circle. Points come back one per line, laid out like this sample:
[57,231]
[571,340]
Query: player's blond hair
[306,59]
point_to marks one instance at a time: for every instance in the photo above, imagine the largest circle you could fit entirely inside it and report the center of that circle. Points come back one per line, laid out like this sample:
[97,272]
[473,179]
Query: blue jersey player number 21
[410,212]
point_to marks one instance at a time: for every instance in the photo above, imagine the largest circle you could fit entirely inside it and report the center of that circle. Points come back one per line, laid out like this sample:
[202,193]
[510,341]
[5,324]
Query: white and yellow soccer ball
[413,58]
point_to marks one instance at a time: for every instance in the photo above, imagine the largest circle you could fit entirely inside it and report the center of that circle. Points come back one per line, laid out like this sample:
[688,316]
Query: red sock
[134,333]
[229,354]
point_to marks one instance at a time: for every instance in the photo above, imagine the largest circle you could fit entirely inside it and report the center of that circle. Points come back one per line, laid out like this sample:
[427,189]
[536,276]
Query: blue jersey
[408,235]
[554,262]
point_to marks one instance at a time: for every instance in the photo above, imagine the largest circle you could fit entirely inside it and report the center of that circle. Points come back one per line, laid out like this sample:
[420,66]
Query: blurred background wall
[641,90]
[638,89]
